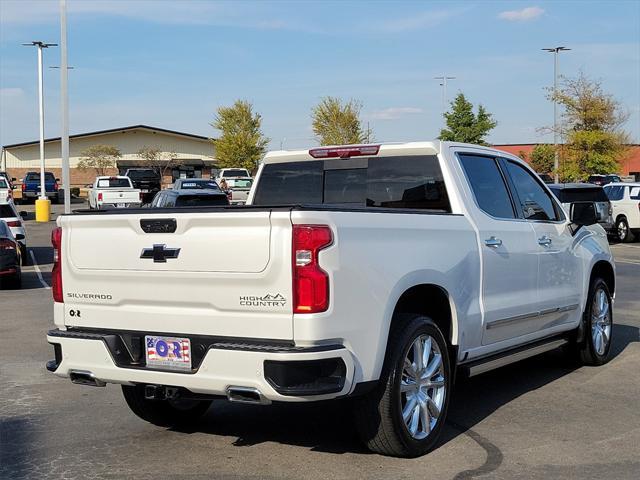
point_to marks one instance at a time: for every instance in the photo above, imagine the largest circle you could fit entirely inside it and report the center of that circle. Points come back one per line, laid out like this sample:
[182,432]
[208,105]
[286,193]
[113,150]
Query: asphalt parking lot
[537,419]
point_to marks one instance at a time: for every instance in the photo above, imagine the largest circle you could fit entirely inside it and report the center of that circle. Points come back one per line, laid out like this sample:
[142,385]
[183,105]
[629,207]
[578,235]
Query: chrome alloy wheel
[422,387]
[622,230]
[600,321]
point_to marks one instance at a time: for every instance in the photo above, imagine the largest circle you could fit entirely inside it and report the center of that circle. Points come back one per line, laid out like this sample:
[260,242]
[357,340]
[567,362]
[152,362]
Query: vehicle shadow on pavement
[328,426]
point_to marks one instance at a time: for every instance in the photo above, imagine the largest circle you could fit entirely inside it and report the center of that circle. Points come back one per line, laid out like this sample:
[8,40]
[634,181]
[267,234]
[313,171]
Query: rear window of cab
[398,182]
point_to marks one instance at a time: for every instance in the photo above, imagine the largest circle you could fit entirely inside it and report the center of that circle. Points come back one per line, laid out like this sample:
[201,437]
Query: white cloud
[526,14]
[393,113]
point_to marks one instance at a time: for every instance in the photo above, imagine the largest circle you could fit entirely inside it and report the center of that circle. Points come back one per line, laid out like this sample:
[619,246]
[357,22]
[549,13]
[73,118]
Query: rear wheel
[405,415]
[164,413]
[623,231]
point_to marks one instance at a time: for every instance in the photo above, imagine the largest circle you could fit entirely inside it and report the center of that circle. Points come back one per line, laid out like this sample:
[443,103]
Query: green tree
[241,143]
[99,157]
[338,123]
[592,126]
[542,158]
[161,162]
[465,126]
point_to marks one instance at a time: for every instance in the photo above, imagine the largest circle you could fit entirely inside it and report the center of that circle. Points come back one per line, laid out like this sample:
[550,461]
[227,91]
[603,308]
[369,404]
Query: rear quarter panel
[374,259]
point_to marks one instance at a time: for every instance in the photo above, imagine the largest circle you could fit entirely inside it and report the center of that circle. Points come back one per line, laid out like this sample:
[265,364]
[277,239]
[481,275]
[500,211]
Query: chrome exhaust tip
[84,377]
[246,395]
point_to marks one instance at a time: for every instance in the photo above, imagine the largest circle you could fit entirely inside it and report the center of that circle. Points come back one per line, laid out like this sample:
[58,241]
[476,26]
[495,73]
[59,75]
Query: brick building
[195,154]
[630,165]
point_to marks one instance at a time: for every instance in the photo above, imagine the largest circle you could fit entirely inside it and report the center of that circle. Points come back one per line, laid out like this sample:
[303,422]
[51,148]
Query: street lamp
[42,204]
[555,52]
[444,79]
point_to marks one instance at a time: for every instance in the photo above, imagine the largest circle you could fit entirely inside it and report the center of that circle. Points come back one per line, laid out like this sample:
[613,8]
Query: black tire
[164,413]
[378,414]
[585,351]
[623,232]
[24,254]
[15,281]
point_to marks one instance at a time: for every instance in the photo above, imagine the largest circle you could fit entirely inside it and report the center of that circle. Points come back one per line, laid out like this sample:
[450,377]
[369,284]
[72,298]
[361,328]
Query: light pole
[444,79]
[42,204]
[64,104]
[555,52]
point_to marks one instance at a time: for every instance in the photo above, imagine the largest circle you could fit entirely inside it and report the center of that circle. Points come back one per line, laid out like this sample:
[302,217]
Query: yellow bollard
[43,210]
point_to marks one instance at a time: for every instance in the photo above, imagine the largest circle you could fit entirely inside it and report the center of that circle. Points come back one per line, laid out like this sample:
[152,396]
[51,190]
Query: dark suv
[148,180]
[603,180]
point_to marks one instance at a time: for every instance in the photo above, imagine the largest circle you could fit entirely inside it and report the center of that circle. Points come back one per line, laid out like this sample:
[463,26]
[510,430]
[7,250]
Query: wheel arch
[604,270]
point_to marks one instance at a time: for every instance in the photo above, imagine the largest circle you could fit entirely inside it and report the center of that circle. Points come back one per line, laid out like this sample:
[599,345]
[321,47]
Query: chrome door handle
[493,242]
[544,241]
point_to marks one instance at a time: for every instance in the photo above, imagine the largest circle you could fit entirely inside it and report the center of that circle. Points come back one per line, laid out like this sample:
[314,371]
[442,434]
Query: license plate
[169,353]
[144,191]
[121,205]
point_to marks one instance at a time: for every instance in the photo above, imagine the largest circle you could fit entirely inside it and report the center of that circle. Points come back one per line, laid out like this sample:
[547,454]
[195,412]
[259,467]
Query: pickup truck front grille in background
[127,347]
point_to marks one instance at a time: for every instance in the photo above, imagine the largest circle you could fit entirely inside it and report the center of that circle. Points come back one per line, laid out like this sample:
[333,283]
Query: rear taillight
[140,195]
[55,187]
[99,196]
[24,187]
[14,223]
[56,273]
[310,282]
[6,244]
[9,195]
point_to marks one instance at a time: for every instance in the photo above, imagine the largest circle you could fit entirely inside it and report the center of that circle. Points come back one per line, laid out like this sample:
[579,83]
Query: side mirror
[19,236]
[583,213]
[57,179]
[13,179]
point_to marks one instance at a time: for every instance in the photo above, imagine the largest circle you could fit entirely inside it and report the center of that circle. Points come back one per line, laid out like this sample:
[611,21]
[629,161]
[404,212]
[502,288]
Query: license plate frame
[168,353]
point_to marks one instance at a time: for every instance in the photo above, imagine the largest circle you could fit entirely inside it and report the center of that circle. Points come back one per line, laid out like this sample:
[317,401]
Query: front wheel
[405,414]
[595,345]
[164,413]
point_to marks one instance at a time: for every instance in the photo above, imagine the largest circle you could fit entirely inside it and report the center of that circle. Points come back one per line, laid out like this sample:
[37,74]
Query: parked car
[625,201]
[189,198]
[239,188]
[603,180]
[370,271]
[228,173]
[6,192]
[145,179]
[14,221]
[10,258]
[113,192]
[195,184]
[31,186]
[570,193]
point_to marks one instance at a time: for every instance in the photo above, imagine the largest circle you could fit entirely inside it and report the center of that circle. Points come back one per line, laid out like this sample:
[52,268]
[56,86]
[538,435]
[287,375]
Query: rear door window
[405,182]
[614,192]
[488,186]
[3,184]
[201,200]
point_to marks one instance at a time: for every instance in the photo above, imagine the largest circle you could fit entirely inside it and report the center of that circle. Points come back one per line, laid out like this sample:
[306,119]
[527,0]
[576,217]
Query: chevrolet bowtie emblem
[160,253]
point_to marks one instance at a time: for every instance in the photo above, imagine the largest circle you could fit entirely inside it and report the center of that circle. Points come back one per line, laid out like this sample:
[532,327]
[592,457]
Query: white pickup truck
[113,192]
[373,271]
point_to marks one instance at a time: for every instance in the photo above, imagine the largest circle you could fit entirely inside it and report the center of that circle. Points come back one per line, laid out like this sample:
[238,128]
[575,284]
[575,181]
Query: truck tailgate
[120,196]
[221,273]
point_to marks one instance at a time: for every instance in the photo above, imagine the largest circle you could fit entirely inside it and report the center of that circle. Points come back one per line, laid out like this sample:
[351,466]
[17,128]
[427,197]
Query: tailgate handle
[158,225]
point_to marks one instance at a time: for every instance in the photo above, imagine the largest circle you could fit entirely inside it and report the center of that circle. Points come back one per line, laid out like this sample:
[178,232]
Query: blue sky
[172,63]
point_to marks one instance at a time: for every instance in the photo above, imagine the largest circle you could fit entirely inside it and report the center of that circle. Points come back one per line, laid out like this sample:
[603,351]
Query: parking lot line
[627,261]
[38,272]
